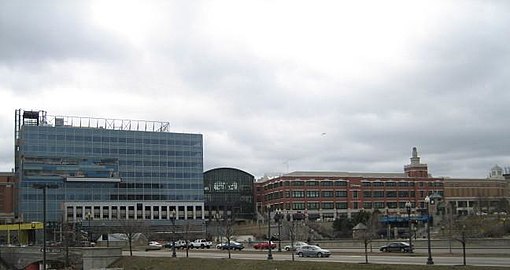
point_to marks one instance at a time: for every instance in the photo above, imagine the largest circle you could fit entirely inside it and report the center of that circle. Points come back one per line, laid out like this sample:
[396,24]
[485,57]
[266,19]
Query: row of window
[108,151]
[106,139]
[114,197]
[341,205]
[299,183]
[327,183]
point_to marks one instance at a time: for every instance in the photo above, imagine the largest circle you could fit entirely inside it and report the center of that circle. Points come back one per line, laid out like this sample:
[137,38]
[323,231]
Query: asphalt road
[348,257]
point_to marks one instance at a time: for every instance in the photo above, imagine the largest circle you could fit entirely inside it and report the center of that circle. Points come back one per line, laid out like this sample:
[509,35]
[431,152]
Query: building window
[367,194]
[312,183]
[341,205]
[313,205]
[341,183]
[341,194]
[326,183]
[378,194]
[367,205]
[328,194]
[298,206]
[391,194]
[328,205]
[312,194]
[298,194]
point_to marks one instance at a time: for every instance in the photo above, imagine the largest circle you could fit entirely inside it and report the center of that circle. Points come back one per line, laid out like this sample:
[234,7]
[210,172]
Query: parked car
[312,251]
[396,246]
[296,246]
[231,245]
[200,243]
[153,245]
[178,244]
[264,245]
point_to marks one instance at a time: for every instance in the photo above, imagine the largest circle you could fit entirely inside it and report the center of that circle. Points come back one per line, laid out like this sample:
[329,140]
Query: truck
[200,243]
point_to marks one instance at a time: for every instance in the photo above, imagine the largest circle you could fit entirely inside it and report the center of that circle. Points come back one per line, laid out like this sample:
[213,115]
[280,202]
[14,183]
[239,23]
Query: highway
[348,257]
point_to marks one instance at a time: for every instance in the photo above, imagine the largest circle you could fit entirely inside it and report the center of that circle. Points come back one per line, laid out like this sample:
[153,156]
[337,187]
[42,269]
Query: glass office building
[106,169]
[229,189]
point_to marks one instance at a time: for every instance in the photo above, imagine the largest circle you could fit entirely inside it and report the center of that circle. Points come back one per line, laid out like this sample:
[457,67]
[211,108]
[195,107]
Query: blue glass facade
[105,171]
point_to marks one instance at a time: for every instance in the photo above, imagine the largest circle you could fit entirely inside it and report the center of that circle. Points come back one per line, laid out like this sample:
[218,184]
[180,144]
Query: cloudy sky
[274,86]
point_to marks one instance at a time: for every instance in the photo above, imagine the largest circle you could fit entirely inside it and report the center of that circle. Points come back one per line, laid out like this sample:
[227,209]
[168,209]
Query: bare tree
[131,228]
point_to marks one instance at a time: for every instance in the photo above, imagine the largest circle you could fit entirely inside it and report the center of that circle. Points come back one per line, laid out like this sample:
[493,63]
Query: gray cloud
[265,109]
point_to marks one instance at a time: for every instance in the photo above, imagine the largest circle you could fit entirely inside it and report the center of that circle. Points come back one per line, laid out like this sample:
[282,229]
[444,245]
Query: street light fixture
[172,219]
[427,202]
[408,208]
[44,187]
[269,251]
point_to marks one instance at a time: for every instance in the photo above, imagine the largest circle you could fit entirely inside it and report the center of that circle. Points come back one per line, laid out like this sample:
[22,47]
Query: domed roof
[497,168]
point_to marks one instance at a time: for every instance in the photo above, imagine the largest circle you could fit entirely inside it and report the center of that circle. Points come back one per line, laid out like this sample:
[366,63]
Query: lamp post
[429,259]
[269,251]
[278,217]
[292,231]
[388,229]
[44,187]
[463,244]
[172,219]
[408,208]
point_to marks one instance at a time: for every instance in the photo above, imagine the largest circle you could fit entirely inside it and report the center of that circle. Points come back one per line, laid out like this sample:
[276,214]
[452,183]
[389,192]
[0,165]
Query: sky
[274,86]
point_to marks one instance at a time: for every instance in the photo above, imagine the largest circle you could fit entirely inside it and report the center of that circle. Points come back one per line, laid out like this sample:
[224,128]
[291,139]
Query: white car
[296,246]
[153,245]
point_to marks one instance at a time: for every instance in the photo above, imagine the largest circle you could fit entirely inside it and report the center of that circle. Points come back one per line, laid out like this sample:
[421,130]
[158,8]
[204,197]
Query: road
[350,257]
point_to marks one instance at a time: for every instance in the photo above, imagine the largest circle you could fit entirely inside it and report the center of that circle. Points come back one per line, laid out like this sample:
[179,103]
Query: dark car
[396,246]
[232,245]
[264,245]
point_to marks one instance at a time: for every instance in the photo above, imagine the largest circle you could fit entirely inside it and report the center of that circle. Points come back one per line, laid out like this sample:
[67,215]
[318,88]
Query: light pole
[278,217]
[429,259]
[292,233]
[408,208]
[269,251]
[172,219]
[44,187]
[388,229]
[463,244]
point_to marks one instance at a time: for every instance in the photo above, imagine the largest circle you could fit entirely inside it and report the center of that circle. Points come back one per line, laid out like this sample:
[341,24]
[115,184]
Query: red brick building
[325,195]
[8,194]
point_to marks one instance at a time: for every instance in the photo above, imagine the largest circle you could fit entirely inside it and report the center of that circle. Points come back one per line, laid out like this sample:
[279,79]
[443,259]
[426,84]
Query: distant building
[107,169]
[327,195]
[474,196]
[229,189]
[8,186]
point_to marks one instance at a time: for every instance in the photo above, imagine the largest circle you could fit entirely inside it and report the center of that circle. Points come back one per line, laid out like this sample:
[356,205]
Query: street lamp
[269,251]
[292,231]
[172,219]
[429,259]
[408,208]
[388,228]
[278,217]
[44,187]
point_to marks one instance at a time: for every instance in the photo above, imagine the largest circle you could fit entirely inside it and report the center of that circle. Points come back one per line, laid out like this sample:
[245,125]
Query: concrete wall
[97,258]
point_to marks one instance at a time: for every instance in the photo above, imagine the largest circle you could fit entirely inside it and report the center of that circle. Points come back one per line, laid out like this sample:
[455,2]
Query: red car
[264,245]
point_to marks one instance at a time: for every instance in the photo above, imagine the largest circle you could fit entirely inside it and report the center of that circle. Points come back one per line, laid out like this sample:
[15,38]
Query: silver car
[296,246]
[312,251]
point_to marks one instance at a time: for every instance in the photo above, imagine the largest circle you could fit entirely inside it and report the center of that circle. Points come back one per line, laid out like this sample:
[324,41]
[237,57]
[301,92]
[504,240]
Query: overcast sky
[274,86]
